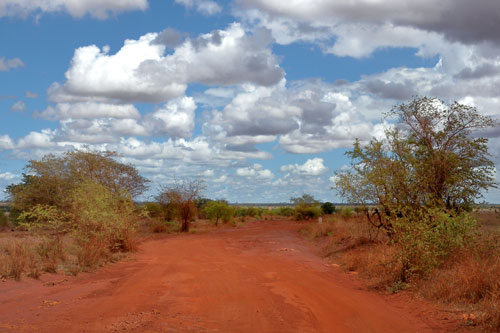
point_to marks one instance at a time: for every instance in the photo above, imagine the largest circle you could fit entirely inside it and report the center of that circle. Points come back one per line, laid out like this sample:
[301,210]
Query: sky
[259,98]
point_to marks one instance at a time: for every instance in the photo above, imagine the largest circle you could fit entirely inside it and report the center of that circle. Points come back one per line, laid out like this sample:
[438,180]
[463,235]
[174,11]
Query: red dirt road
[261,277]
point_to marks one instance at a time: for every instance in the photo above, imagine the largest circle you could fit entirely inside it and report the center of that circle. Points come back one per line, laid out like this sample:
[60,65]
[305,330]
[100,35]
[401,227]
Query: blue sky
[259,98]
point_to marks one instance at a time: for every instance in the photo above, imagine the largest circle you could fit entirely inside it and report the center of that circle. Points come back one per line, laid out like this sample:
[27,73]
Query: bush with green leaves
[103,217]
[219,211]
[286,211]
[426,241]
[328,208]
[422,178]
[307,212]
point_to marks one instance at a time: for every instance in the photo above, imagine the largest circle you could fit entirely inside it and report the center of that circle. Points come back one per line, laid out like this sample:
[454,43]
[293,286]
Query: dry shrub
[93,253]
[16,256]
[51,252]
[470,277]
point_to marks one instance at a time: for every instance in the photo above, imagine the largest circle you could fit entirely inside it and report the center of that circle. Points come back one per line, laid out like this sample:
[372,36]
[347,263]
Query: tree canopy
[50,180]
[429,159]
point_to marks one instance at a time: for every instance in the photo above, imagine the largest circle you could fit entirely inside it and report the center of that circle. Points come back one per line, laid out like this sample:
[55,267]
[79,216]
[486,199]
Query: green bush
[426,241]
[103,218]
[219,210]
[307,212]
[328,208]
[286,211]
[154,210]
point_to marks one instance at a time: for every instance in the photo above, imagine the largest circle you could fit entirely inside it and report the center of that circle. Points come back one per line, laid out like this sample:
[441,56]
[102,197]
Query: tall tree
[430,159]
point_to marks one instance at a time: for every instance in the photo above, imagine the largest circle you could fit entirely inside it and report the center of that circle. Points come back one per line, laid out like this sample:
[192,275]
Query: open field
[258,277]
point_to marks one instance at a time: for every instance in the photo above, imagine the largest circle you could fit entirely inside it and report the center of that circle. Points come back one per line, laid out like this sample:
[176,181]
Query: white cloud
[97,76]
[255,171]
[8,176]
[100,9]
[175,118]
[18,106]
[6,142]
[205,7]
[140,72]
[43,139]
[89,110]
[312,167]
[8,64]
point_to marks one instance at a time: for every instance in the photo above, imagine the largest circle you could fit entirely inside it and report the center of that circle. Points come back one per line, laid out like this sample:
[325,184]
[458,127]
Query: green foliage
[103,217]
[428,160]
[426,241]
[286,211]
[249,211]
[45,219]
[219,210]
[307,212]
[50,180]
[328,208]
[306,207]
[422,178]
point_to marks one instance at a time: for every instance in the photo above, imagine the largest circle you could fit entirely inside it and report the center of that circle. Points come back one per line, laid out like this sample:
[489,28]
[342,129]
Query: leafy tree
[428,160]
[50,180]
[218,210]
[421,179]
[182,196]
[328,208]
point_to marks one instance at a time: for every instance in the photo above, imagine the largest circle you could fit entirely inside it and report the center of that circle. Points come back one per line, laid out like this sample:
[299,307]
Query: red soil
[261,277]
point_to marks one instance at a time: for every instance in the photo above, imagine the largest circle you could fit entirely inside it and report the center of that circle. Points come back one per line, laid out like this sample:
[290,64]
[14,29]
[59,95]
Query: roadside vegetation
[417,229]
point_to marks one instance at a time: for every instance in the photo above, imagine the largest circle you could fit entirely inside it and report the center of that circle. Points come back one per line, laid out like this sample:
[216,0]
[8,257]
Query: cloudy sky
[260,98]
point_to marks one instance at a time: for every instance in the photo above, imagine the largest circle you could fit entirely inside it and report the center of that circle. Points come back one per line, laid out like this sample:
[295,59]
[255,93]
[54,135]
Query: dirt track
[261,277]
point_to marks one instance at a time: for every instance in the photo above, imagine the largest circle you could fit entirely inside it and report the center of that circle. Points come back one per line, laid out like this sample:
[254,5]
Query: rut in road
[260,277]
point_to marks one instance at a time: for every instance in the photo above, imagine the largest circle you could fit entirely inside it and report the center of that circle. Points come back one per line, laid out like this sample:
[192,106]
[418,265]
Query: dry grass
[469,280]
[17,256]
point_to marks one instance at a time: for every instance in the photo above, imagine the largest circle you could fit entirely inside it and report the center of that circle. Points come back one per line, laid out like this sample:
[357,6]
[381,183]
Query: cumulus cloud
[312,167]
[8,64]
[18,106]
[205,7]
[77,8]
[6,142]
[89,110]
[43,139]
[140,71]
[175,118]
[456,20]
[255,171]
